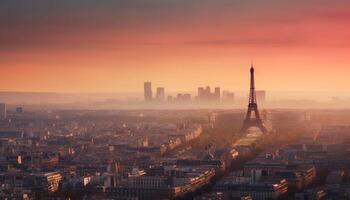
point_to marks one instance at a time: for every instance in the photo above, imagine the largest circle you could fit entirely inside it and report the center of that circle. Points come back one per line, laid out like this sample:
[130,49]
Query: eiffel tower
[249,121]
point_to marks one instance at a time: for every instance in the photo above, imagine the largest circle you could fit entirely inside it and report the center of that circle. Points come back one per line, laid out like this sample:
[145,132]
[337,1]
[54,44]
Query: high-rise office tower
[217,93]
[187,97]
[147,88]
[207,90]
[179,97]
[160,96]
[200,93]
[3,111]
[170,98]
[261,96]
[207,96]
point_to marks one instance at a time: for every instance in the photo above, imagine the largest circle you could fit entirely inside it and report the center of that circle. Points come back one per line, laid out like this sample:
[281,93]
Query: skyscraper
[217,94]
[3,111]
[261,96]
[200,93]
[187,97]
[170,99]
[147,88]
[179,97]
[160,96]
[205,94]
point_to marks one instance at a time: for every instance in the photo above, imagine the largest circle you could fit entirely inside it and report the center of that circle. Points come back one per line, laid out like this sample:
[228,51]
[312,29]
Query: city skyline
[87,47]
[174,100]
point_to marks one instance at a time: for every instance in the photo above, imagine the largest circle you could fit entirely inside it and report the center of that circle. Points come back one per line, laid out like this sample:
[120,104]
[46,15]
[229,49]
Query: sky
[116,45]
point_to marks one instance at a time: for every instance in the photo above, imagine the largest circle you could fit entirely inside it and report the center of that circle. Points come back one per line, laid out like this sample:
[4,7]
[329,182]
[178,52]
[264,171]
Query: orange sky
[114,46]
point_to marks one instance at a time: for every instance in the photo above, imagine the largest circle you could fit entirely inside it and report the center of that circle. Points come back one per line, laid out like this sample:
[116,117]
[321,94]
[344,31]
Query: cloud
[104,24]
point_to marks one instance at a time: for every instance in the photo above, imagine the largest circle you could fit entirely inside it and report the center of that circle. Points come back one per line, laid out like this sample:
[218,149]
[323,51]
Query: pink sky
[94,46]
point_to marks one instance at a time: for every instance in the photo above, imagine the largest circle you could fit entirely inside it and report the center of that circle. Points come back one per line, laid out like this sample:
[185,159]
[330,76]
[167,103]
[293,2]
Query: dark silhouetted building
[160,96]
[148,91]
[217,93]
[187,97]
[205,94]
[260,96]
[183,97]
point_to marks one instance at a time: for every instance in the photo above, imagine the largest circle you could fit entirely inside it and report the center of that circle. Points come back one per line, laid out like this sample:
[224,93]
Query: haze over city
[174,100]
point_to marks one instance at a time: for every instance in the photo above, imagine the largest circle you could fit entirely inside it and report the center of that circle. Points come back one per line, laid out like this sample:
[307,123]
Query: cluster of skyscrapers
[205,94]
[148,94]
[160,95]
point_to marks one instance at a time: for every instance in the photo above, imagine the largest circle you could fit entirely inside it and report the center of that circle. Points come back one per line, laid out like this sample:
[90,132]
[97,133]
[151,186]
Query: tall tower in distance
[160,96]
[147,89]
[249,121]
[217,94]
[261,96]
